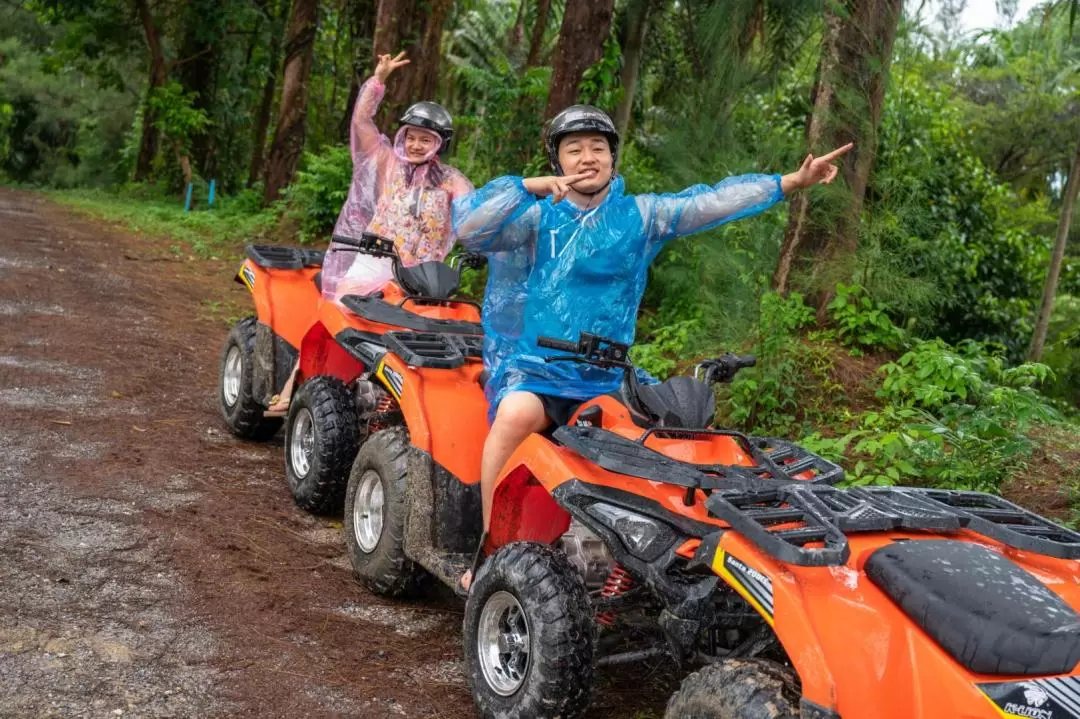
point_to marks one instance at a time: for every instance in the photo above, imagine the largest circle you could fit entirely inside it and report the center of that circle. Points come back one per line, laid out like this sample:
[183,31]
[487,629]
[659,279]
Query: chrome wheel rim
[368,511]
[230,376]
[503,643]
[302,443]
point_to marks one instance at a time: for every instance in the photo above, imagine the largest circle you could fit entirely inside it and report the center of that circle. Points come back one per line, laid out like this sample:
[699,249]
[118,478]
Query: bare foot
[466,581]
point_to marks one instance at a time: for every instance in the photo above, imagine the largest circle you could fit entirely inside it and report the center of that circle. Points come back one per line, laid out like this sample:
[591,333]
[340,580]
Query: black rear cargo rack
[277,257]
[781,518]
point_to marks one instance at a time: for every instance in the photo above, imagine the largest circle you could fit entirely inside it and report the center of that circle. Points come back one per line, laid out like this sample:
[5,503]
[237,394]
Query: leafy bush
[862,322]
[320,190]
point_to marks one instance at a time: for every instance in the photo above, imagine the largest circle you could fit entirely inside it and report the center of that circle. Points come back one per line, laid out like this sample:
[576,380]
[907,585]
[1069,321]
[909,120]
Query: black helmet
[431,116]
[580,118]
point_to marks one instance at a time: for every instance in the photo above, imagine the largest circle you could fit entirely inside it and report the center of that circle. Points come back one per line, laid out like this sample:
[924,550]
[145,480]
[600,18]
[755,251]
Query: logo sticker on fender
[754,586]
[393,381]
[1037,698]
[248,277]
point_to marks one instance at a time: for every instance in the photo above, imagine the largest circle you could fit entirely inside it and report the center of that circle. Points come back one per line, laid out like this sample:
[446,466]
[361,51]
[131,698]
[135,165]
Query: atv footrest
[439,350]
[284,258]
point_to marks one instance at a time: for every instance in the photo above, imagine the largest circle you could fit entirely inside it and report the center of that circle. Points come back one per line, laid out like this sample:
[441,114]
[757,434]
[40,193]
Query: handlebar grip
[745,360]
[342,240]
[557,344]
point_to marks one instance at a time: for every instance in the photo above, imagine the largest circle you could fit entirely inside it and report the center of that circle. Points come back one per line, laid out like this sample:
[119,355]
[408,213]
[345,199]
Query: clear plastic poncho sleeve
[558,270]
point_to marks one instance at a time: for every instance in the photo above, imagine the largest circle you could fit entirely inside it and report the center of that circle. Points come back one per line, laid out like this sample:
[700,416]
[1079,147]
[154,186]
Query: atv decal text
[393,381]
[1057,698]
[248,276]
[754,586]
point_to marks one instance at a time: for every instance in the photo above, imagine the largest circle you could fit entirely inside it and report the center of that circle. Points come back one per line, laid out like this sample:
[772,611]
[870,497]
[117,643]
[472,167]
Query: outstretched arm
[701,207]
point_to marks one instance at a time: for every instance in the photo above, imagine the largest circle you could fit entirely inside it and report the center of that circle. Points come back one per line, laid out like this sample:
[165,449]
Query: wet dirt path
[151,565]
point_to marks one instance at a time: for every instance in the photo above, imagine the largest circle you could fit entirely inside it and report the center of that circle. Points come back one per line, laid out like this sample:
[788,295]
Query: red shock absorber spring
[386,404]
[618,581]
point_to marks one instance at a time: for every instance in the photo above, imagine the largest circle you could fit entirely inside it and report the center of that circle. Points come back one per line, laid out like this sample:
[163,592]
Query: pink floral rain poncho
[393,198]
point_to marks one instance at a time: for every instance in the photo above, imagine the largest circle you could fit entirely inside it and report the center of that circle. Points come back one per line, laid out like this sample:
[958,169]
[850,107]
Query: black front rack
[438,350]
[782,518]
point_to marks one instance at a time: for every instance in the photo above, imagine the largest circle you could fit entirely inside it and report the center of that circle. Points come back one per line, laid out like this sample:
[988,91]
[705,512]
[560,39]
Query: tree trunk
[637,23]
[584,28]
[849,98]
[1068,202]
[361,29]
[158,78]
[517,32]
[266,105]
[195,68]
[414,26]
[288,141]
[536,39]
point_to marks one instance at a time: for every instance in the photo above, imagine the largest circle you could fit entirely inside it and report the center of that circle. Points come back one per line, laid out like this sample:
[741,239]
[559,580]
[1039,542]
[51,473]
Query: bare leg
[519,415]
[279,403]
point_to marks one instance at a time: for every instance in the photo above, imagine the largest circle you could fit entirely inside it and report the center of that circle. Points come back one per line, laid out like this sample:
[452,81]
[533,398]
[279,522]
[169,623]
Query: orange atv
[639,531]
[333,345]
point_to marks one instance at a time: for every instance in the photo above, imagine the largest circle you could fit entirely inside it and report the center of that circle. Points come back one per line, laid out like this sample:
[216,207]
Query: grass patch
[218,233]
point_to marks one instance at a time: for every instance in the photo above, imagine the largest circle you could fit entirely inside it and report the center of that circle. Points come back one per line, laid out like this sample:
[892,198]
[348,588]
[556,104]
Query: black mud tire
[737,689]
[327,405]
[244,417]
[384,569]
[552,596]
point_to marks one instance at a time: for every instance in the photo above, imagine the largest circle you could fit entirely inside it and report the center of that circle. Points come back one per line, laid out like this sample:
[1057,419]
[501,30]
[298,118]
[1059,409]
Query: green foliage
[862,322]
[766,396]
[175,115]
[320,190]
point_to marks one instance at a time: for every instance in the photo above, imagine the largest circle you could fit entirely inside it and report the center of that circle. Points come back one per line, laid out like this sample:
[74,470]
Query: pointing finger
[838,152]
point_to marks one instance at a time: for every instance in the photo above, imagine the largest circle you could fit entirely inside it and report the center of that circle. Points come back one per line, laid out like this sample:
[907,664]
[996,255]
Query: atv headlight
[644,537]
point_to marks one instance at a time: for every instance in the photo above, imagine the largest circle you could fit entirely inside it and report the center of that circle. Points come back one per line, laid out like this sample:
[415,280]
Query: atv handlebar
[471,260]
[369,244]
[553,344]
[723,368]
[590,349]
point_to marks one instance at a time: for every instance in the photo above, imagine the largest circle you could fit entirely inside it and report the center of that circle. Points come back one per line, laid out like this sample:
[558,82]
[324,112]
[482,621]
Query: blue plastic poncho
[556,270]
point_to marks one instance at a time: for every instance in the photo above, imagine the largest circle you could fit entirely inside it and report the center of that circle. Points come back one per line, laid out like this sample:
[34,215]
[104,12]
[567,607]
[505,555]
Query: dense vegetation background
[896,313]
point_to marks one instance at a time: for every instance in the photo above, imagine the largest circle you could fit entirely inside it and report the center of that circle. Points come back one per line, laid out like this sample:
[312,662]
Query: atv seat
[679,402]
[988,613]
[428,279]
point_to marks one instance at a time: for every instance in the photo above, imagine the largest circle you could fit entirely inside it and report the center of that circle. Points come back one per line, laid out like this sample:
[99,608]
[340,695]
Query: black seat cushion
[991,615]
[681,402]
[429,279]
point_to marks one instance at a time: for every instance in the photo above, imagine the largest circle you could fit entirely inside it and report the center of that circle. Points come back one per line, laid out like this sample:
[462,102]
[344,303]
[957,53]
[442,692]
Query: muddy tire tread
[554,598]
[245,419]
[737,689]
[386,570]
[334,415]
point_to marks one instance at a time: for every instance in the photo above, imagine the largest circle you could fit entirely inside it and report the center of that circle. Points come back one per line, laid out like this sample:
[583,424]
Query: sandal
[278,407]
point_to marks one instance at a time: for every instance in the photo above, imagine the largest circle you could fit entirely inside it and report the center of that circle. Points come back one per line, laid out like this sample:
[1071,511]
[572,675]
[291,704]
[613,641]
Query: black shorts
[559,409]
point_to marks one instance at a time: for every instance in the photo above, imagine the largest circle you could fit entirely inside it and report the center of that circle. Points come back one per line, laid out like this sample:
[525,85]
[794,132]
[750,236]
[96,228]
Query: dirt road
[151,565]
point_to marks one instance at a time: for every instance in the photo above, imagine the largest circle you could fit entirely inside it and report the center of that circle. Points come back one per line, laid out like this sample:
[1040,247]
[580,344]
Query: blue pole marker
[187,200]
[210,197]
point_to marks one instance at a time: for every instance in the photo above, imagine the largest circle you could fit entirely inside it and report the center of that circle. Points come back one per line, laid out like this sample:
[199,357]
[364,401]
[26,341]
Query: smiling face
[586,152]
[420,145]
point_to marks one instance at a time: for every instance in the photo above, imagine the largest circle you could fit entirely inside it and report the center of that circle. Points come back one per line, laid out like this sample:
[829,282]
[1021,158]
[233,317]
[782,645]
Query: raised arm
[365,140]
